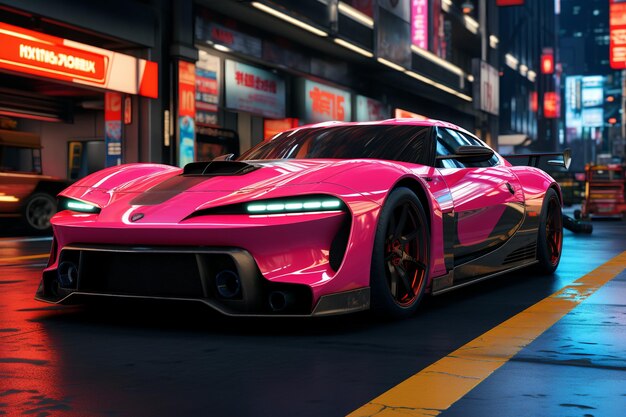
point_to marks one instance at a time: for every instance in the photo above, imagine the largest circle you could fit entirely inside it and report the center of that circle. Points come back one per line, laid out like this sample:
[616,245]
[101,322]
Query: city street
[166,359]
[313,208]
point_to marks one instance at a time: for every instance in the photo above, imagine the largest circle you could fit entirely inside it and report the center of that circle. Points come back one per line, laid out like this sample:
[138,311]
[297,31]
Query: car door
[487,197]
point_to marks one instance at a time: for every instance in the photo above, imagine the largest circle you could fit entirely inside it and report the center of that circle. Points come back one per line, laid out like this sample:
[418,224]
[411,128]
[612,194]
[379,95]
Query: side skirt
[482,278]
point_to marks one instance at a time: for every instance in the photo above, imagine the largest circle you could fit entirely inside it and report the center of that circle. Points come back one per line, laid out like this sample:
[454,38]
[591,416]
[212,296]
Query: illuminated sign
[551,105]
[254,90]
[547,61]
[272,127]
[321,103]
[617,43]
[234,40]
[573,107]
[486,87]
[534,101]
[207,88]
[593,117]
[419,23]
[186,112]
[509,2]
[369,109]
[405,114]
[113,128]
[34,53]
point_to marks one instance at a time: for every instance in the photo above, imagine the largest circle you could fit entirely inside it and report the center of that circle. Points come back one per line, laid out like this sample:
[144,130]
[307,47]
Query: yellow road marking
[24,258]
[435,388]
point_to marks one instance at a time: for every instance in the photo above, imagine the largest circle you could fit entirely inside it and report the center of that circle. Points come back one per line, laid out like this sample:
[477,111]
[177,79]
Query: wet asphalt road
[176,360]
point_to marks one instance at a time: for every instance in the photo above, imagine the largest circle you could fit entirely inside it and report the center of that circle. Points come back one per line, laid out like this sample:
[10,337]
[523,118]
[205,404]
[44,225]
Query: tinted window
[449,140]
[396,143]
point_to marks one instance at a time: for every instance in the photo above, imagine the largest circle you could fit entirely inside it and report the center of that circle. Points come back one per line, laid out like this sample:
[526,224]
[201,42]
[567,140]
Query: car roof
[388,122]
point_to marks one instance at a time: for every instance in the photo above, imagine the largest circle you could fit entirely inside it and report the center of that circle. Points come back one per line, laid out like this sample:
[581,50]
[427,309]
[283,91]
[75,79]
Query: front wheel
[401,256]
[550,235]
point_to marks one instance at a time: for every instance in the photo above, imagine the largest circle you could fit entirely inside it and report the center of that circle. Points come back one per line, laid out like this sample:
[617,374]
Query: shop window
[19,159]
[84,158]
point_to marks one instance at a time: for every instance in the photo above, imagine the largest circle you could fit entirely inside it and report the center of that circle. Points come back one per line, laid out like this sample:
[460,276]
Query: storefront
[250,86]
[83,103]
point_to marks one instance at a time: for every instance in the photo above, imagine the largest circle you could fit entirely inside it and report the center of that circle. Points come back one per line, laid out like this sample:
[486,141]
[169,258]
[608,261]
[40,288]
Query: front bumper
[225,279]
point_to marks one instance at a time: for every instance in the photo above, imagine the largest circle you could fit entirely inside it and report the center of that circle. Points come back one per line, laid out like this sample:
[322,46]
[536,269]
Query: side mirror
[470,153]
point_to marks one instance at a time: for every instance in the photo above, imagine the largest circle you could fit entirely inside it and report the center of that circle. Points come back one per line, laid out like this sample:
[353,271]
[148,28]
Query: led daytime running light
[80,206]
[295,206]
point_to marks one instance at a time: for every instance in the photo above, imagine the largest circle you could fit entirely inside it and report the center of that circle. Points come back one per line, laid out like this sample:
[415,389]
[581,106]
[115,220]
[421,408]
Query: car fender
[535,182]
[375,180]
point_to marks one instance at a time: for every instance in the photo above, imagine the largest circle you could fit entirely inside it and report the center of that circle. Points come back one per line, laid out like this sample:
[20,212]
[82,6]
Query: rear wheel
[401,256]
[550,235]
[38,210]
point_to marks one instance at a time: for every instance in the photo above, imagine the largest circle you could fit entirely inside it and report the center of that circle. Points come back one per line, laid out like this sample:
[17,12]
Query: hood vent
[218,168]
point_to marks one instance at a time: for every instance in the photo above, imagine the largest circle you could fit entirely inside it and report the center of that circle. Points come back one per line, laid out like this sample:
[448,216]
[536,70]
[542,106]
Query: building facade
[174,81]
[592,90]
[529,57]
[85,79]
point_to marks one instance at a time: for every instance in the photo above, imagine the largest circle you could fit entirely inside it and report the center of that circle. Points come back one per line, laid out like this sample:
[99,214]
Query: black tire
[550,234]
[38,210]
[400,258]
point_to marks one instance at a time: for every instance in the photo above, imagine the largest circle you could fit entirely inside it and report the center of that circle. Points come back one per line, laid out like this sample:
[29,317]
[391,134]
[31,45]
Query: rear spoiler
[561,159]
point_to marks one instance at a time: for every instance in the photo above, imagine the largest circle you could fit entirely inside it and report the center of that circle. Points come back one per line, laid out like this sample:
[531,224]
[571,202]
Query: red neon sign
[29,52]
[617,31]
[34,53]
[534,101]
[509,2]
[186,89]
[272,127]
[551,105]
[547,61]
[327,103]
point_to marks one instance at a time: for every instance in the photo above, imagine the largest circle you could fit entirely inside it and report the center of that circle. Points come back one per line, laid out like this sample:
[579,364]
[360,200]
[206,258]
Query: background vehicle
[604,191]
[323,219]
[24,192]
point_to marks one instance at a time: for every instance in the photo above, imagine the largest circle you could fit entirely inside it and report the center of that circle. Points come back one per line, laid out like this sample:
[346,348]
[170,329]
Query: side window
[448,141]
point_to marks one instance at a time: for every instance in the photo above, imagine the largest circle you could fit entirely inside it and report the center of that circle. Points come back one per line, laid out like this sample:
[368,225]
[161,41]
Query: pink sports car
[323,219]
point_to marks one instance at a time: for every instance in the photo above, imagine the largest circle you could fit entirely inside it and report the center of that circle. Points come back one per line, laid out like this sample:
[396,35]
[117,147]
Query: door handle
[510,188]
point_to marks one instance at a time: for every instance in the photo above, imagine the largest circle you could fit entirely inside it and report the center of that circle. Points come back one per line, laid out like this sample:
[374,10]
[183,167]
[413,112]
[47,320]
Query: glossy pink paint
[294,248]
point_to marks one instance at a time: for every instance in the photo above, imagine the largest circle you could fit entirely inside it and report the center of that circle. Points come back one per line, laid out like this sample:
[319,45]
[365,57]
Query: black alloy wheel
[550,235]
[400,260]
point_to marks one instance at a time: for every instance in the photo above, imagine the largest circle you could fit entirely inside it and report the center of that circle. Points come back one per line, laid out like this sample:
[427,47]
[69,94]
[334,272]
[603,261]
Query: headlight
[285,205]
[294,205]
[77,205]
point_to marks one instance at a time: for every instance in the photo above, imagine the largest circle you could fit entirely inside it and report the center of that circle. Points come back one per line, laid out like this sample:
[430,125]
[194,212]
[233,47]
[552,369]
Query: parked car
[324,219]
[25,193]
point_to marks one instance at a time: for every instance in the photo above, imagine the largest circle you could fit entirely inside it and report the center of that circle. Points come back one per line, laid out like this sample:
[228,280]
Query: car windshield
[390,142]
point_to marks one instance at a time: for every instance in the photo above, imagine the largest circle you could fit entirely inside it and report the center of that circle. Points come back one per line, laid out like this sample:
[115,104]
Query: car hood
[238,176]
[179,193]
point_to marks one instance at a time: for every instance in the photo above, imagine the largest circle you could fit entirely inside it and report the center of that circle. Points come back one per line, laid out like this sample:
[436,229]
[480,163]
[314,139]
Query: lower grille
[225,278]
[149,274]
